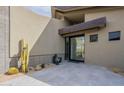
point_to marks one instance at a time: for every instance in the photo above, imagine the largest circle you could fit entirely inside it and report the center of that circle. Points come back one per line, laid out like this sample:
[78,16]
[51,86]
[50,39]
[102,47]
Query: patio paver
[78,74]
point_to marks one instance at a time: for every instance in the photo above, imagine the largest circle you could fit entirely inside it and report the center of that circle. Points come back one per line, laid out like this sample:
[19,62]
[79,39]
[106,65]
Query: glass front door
[77,48]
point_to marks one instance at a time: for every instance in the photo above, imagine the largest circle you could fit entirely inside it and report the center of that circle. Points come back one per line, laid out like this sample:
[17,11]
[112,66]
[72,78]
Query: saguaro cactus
[24,56]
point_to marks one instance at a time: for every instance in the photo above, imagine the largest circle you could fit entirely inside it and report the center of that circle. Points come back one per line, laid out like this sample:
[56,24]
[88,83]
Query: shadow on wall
[48,44]
[14,62]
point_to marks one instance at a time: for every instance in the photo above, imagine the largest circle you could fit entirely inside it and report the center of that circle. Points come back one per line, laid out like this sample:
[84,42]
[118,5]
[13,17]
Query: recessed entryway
[74,48]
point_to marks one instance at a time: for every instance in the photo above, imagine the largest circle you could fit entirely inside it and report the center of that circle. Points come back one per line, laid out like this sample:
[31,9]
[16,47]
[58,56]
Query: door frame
[74,60]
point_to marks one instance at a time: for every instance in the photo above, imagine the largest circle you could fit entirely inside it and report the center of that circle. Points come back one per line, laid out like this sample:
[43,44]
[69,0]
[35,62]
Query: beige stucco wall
[40,32]
[104,52]
[4,38]
[50,42]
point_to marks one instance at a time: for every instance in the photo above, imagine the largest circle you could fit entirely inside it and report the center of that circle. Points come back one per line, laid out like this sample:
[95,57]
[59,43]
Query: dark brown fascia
[94,9]
[96,23]
[64,9]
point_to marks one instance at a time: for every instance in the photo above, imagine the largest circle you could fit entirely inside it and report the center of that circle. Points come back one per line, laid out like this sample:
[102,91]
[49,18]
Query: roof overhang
[69,13]
[96,23]
[70,8]
[75,14]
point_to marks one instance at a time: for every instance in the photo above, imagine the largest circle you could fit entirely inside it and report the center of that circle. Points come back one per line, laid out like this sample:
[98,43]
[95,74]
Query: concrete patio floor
[23,81]
[73,74]
[69,74]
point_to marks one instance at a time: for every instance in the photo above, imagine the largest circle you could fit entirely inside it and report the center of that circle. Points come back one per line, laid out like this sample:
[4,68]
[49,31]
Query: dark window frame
[94,38]
[67,47]
[114,36]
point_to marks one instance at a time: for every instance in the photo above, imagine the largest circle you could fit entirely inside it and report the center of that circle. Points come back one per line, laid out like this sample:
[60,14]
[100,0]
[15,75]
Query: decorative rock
[47,65]
[38,67]
[43,65]
[31,69]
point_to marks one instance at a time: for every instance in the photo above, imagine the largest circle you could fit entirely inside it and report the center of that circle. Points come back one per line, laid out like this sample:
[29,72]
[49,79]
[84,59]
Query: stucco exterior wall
[50,42]
[24,24]
[40,32]
[4,38]
[105,52]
